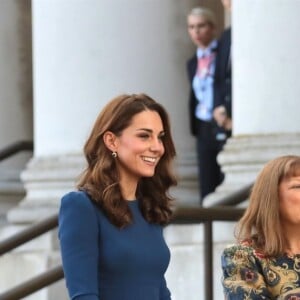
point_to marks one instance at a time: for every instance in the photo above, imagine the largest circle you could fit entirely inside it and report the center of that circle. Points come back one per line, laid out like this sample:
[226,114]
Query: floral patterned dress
[248,274]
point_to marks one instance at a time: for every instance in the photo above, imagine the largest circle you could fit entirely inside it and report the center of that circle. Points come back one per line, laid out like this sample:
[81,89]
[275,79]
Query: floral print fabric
[249,275]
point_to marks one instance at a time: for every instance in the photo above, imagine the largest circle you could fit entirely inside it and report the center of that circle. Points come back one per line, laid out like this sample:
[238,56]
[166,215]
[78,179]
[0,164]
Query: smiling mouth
[149,159]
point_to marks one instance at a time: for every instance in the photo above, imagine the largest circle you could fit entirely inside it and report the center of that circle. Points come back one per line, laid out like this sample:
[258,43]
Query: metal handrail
[15,148]
[236,197]
[44,279]
[28,234]
[195,215]
[182,215]
[34,284]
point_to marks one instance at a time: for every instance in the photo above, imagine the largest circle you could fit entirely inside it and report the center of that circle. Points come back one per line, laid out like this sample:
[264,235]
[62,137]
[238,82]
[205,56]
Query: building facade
[64,59]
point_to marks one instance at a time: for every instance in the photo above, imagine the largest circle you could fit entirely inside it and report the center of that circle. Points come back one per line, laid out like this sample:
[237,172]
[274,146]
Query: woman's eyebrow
[149,130]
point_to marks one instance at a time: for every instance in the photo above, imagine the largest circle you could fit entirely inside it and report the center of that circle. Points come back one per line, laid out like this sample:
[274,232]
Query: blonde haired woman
[265,264]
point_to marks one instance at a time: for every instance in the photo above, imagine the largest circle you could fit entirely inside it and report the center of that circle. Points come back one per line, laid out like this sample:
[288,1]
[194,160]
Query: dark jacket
[222,81]
[191,70]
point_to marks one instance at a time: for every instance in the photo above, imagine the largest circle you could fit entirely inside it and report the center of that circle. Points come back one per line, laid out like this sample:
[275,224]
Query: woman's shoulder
[243,248]
[78,200]
[78,197]
[77,207]
[246,244]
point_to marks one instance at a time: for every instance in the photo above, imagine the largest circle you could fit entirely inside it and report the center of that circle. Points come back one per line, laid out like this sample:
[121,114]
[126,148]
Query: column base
[46,180]
[244,156]
[187,191]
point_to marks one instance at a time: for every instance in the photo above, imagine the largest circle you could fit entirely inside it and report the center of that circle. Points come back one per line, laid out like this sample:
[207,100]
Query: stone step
[11,193]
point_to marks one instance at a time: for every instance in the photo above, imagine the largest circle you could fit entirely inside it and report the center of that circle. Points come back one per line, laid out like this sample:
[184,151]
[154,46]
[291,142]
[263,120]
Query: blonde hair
[204,12]
[261,221]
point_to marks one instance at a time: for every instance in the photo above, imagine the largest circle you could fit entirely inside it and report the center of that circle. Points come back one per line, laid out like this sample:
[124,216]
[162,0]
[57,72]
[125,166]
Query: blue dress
[103,262]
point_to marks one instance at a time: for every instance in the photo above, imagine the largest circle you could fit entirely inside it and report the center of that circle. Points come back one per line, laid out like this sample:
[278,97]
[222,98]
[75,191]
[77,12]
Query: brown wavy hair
[101,179]
[261,221]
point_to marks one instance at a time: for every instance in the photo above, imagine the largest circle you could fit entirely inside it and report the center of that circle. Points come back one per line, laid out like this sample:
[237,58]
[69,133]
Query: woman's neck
[292,234]
[128,189]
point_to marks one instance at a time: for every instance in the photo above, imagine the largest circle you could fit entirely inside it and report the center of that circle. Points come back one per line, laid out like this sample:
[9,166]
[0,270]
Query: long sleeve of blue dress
[78,234]
[103,262]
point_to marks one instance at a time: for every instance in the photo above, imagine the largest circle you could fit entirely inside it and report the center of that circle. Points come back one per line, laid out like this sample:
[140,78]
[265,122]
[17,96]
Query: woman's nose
[156,145]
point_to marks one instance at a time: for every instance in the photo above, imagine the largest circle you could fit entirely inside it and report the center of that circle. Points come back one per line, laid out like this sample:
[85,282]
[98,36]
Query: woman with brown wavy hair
[265,264]
[110,230]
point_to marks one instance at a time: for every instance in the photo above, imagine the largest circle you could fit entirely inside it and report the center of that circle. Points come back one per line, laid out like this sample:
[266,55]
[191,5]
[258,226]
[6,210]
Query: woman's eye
[144,136]
[296,186]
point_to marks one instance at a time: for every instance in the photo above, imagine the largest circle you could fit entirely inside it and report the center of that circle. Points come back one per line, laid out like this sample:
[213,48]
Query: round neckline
[132,201]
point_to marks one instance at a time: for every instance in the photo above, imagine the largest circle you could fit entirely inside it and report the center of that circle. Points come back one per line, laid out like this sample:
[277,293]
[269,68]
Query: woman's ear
[110,141]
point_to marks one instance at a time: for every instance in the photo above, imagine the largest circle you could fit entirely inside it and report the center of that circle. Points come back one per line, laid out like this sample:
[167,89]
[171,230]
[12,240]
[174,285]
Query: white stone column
[15,96]
[266,88]
[15,72]
[86,52]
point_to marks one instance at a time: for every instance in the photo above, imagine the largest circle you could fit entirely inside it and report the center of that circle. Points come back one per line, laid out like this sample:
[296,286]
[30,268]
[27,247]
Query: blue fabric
[103,262]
